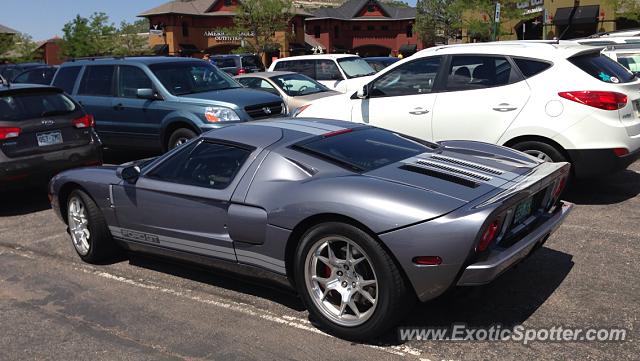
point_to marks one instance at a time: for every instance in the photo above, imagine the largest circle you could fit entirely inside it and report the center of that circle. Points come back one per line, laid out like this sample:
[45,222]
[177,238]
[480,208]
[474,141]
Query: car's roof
[319,56]
[381,58]
[21,86]
[231,55]
[265,74]
[524,48]
[129,60]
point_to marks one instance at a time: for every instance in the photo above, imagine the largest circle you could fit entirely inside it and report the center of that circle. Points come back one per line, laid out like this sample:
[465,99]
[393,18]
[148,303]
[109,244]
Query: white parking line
[286,320]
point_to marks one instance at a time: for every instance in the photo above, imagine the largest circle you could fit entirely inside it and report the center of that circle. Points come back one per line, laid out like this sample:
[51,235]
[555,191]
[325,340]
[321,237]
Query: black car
[237,64]
[42,132]
[37,75]
[10,71]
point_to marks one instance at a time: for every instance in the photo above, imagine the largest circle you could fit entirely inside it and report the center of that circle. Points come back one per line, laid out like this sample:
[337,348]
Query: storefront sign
[529,4]
[157,29]
[222,36]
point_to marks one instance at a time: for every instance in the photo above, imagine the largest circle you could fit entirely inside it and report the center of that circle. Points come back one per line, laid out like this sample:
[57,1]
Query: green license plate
[522,212]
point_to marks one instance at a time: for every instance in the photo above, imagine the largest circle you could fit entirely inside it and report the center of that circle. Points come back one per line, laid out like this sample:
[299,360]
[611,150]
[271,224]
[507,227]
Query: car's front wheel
[179,137]
[88,229]
[349,283]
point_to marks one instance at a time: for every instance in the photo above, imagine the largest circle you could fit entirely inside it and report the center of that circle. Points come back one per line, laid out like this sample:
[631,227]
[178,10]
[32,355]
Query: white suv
[555,101]
[339,72]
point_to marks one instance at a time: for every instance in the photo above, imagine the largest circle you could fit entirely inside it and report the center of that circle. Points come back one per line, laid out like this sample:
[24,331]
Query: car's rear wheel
[540,150]
[179,137]
[89,232]
[349,283]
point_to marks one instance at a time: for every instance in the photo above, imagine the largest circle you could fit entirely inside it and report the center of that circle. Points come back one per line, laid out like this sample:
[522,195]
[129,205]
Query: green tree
[439,20]
[480,19]
[397,3]
[24,49]
[257,21]
[91,36]
[629,9]
[7,43]
[132,38]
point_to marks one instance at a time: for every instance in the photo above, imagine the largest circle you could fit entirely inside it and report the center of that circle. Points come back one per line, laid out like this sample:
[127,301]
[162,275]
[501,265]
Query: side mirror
[363,92]
[129,174]
[146,93]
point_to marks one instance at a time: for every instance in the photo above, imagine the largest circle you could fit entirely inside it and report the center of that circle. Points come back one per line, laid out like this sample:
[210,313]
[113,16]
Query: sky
[44,19]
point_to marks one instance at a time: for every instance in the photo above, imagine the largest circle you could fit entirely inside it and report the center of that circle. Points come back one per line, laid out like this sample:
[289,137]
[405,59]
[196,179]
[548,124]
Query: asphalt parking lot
[53,306]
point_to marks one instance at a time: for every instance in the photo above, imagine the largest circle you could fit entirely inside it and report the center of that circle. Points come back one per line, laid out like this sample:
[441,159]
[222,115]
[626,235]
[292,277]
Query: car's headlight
[220,114]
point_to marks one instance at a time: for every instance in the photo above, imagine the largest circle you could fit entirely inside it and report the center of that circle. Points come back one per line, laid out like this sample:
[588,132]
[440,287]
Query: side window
[208,165]
[66,78]
[97,80]
[23,78]
[468,72]
[306,67]
[130,79]
[327,70]
[529,67]
[416,77]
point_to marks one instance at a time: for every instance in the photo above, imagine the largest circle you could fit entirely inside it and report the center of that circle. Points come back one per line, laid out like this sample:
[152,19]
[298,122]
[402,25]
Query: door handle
[118,107]
[505,107]
[418,111]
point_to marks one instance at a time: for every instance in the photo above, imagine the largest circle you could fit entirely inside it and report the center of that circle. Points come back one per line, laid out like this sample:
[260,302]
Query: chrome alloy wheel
[78,225]
[540,155]
[341,281]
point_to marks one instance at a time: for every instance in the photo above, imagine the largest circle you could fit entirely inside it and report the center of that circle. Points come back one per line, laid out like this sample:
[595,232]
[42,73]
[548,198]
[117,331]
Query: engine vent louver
[465,163]
[453,170]
[441,175]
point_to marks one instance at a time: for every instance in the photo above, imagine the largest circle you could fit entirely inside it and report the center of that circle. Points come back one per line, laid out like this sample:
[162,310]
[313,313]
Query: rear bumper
[486,271]
[37,169]
[589,163]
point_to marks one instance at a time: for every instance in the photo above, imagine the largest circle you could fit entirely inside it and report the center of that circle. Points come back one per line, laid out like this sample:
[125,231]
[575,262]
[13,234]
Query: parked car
[296,89]
[626,54]
[361,220]
[36,75]
[42,132]
[158,103]
[236,64]
[555,101]
[339,72]
[10,71]
[380,62]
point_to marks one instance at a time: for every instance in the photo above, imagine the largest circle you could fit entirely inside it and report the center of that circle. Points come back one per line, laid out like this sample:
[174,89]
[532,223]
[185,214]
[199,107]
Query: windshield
[298,84]
[355,67]
[365,149]
[630,61]
[182,78]
[16,107]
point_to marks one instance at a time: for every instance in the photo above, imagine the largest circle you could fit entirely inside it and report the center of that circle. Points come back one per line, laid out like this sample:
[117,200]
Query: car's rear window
[602,68]
[252,61]
[364,149]
[21,106]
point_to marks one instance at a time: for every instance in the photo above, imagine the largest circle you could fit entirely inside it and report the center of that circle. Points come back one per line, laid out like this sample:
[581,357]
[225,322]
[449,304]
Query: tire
[540,150]
[98,246]
[179,137]
[391,295]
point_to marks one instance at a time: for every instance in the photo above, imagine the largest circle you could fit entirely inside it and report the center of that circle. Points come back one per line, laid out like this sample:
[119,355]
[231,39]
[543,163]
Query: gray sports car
[361,220]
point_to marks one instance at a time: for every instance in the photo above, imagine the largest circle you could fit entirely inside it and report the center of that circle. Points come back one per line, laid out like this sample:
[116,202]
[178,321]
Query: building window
[228,2]
[385,28]
[410,31]
[336,32]
[316,31]
[185,29]
[371,8]
[371,28]
[356,28]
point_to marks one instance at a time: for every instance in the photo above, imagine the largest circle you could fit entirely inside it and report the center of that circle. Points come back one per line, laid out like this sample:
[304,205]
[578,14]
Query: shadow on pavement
[612,189]
[21,202]
[248,280]
[509,300]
